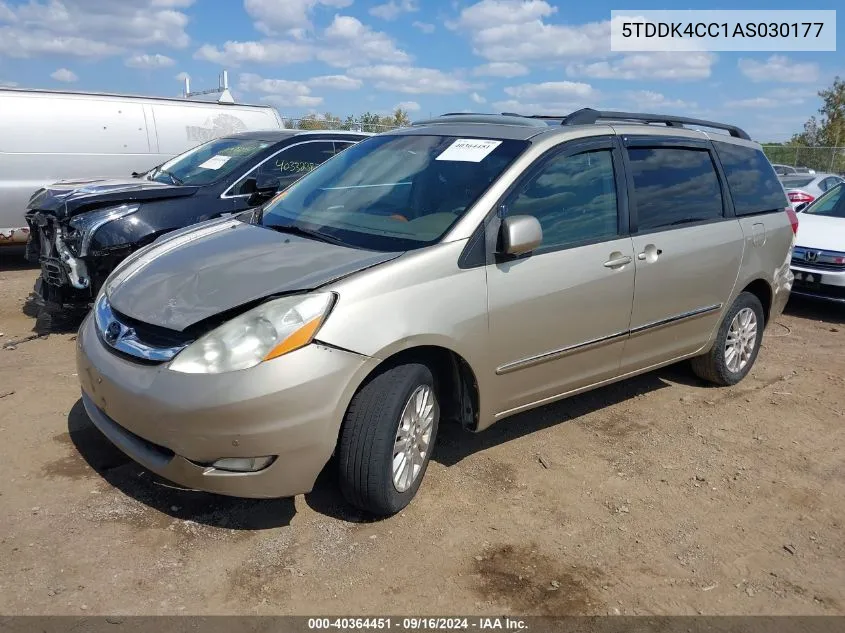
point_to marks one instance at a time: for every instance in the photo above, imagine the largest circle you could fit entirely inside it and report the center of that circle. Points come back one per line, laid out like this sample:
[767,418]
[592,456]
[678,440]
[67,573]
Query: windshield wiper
[309,233]
[173,178]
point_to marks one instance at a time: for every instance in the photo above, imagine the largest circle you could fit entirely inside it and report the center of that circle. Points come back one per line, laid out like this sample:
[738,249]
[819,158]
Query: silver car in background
[802,189]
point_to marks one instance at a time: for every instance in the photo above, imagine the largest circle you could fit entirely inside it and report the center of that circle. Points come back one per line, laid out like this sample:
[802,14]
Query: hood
[821,232]
[219,266]
[67,198]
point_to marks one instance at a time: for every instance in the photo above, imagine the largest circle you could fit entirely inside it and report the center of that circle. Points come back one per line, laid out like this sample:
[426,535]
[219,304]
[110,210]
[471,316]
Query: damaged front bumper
[65,276]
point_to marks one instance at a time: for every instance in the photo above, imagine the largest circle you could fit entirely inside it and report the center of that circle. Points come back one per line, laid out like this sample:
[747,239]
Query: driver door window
[573,197]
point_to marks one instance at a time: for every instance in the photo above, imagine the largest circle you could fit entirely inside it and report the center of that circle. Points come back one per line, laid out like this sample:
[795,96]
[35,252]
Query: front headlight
[88,223]
[263,333]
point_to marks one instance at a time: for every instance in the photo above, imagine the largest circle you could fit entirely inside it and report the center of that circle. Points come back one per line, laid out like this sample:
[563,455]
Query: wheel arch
[761,289]
[455,379]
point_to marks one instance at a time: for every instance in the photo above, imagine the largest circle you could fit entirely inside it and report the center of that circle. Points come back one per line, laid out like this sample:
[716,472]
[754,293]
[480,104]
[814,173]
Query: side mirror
[520,234]
[262,189]
[267,184]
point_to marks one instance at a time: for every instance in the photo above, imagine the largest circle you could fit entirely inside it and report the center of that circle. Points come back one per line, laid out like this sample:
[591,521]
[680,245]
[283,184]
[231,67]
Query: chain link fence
[349,124]
[821,159]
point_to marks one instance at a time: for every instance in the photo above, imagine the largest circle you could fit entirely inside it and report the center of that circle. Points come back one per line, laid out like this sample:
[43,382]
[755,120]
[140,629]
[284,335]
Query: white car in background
[818,260]
[802,189]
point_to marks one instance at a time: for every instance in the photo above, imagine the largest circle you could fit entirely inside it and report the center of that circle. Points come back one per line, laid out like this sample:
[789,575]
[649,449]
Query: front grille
[153,335]
[818,259]
[803,263]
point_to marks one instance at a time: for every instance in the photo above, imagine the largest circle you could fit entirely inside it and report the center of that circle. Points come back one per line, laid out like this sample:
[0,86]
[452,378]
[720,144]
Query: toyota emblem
[112,332]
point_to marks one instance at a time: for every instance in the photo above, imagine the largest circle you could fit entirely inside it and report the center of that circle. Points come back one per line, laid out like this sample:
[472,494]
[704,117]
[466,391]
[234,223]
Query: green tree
[400,118]
[825,136]
[370,122]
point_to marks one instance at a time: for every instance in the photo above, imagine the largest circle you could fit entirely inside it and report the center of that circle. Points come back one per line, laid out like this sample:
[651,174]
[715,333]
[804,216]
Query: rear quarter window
[674,186]
[752,180]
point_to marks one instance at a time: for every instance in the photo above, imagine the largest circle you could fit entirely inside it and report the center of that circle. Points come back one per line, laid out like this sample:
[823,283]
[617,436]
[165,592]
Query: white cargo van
[46,136]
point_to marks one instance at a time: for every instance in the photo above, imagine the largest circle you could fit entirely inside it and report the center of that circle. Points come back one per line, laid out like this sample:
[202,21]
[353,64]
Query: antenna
[222,89]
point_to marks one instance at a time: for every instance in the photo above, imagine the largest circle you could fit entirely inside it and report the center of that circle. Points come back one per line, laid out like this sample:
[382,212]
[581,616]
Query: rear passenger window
[753,183]
[674,186]
[573,197]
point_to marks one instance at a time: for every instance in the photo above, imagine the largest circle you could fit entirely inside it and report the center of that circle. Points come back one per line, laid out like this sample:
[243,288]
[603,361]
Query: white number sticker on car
[469,150]
[215,162]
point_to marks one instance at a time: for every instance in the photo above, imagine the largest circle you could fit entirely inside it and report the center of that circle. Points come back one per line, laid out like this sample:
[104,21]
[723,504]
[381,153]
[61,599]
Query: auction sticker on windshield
[215,162]
[469,150]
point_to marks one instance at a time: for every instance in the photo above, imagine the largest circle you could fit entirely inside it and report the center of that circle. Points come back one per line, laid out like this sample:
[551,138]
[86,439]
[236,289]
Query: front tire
[387,438]
[737,343]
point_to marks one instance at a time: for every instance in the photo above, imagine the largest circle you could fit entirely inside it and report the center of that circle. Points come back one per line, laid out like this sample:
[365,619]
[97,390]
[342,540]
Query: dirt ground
[658,495]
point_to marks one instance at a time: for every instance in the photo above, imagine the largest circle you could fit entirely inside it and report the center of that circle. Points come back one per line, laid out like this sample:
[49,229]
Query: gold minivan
[465,268]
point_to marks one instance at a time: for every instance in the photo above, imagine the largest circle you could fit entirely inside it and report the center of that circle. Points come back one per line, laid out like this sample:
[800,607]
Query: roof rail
[481,117]
[588,116]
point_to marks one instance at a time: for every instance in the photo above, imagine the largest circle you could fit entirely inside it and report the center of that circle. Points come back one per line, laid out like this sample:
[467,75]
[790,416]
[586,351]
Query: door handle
[650,253]
[618,262]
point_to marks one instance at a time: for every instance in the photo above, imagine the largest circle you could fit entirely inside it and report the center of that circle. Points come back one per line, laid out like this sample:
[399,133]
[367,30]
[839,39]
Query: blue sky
[428,56]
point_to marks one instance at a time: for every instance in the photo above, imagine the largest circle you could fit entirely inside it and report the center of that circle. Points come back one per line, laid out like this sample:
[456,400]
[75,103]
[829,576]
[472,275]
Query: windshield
[831,204]
[790,182]
[393,193]
[208,162]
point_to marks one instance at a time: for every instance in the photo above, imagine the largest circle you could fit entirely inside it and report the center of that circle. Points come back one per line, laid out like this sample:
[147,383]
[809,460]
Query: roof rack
[588,116]
[482,117]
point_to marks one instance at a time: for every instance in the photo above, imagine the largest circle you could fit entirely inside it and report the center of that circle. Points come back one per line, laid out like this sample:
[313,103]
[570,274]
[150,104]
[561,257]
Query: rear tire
[380,462]
[736,348]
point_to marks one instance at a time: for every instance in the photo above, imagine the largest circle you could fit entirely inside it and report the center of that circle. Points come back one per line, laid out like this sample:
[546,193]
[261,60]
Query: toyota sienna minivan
[463,269]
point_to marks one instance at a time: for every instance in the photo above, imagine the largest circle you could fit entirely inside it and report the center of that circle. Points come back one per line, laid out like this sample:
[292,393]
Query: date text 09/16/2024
[418,623]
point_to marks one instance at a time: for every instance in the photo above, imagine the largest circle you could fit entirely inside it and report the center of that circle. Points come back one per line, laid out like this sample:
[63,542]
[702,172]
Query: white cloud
[778,98]
[280,92]
[515,30]
[64,75]
[90,28]
[412,80]
[477,98]
[182,76]
[779,68]
[675,65]
[393,9]
[147,61]
[347,41]
[556,108]
[335,82]
[277,16]
[655,101]
[256,52]
[755,102]
[293,101]
[553,91]
[173,4]
[408,106]
[425,27]
[501,69]
[551,97]
[8,84]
